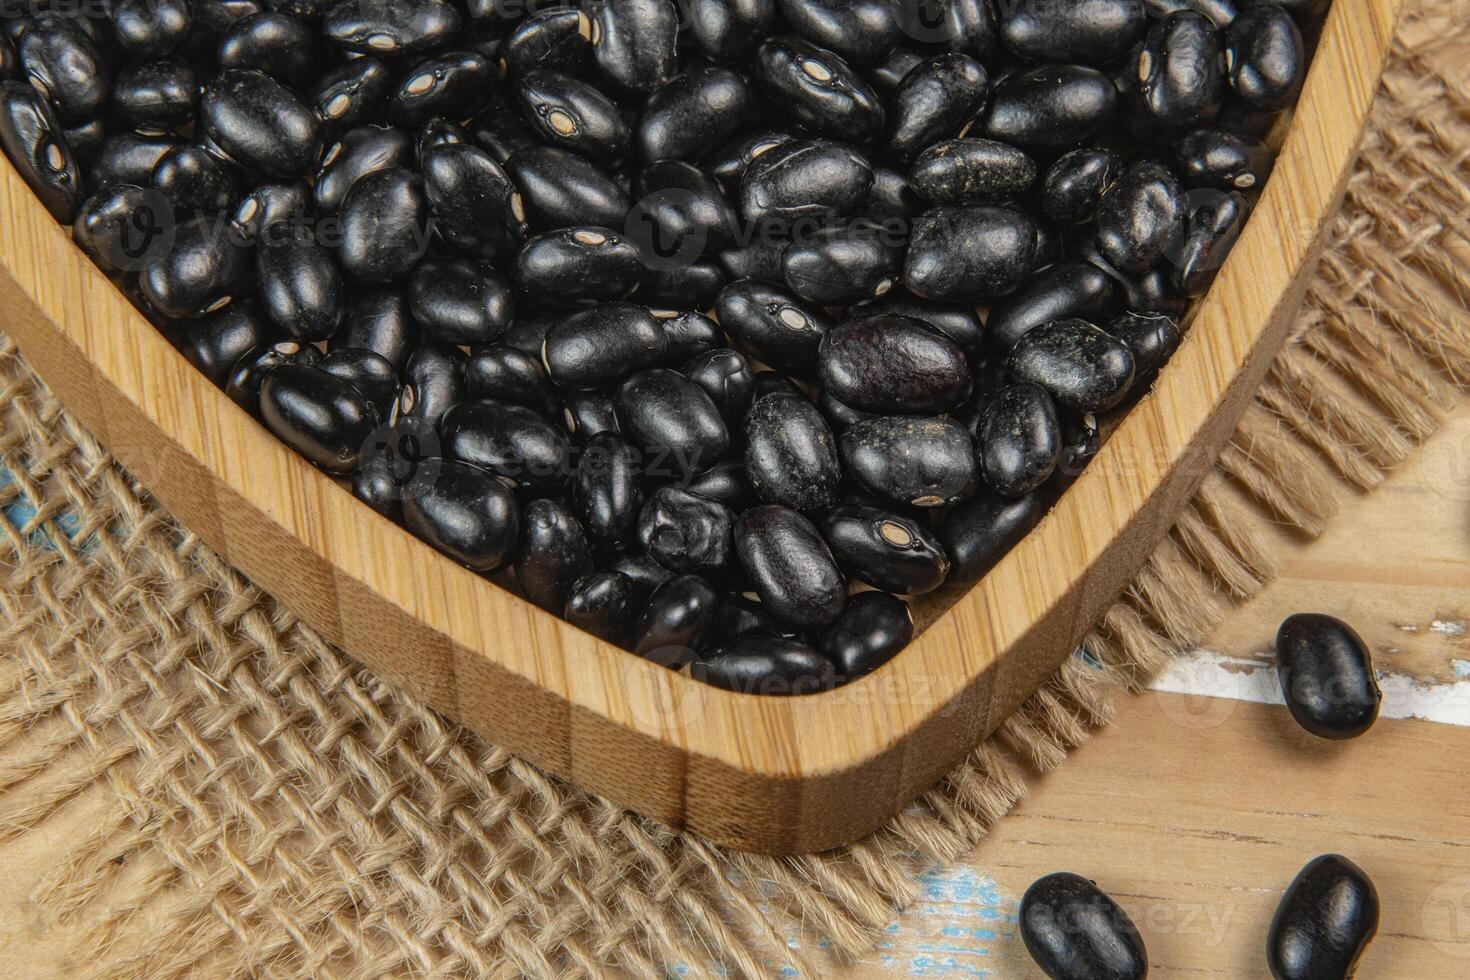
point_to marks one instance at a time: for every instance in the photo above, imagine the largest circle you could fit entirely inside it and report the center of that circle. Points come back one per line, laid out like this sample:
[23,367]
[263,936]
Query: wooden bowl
[762,774]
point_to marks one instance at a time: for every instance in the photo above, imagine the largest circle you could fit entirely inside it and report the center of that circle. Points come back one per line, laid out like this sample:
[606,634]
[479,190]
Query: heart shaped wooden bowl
[764,774]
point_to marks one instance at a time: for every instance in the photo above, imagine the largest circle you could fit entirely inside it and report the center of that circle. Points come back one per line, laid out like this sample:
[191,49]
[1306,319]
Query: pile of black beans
[689,321]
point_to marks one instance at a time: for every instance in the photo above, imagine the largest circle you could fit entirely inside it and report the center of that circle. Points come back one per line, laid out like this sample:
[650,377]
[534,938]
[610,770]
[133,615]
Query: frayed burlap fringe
[263,806]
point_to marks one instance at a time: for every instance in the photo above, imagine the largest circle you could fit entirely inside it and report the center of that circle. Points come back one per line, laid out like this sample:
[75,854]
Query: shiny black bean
[300,289]
[1223,159]
[958,322]
[1051,106]
[249,372]
[861,31]
[570,113]
[725,376]
[466,513]
[371,374]
[891,197]
[635,42]
[1078,364]
[604,604]
[819,90]
[560,40]
[33,140]
[377,319]
[681,215]
[553,555]
[728,482]
[886,550]
[771,325]
[872,629]
[214,343]
[434,381]
[691,112]
[964,254]
[384,226]
[685,532]
[1020,440]
[760,260]
[696,284]
[672,420]
[740,616]
[503,373]
[283,47]
[1180,70]
[403,27]
[63,62]
[972,171]
[765,665]
[453,85]
[360,151]
[560,189]
[804,179]
[911,460]
[156,94]
[351,94]
[1060,290]
[151,28]
[119,226]
[194,179]
[1092,31]
[689,333]
[791,455]
[200,272]
[978,534]
[598,347]
[511,441]
[838,415]
[607,488]
[1326,918]
[125,158]
[728,30]
[474,204]
[1327,676]
[1220,12]
[844,264]
[1081,440]
[1153,290]
[728,163]
[319,415]
[1139,216]
[1073,930]
[460,301]
[1264,57]
[260,124]
[396,465]
[1212,229]
[679,616]
[893,365]
[577,264]
[268,211]
[588,413]
[1151,337]
[790,566]
[1076,181]
[85,138]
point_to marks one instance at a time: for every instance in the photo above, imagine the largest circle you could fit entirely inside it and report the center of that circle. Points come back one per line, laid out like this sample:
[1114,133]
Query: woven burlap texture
[257,804]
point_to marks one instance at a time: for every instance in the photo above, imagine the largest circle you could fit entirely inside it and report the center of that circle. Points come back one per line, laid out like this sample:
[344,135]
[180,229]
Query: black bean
[886,550]
[964,254]
[679,615]
[460,301]
[434,381]
[260,124]
[790,566]
[553,555]
[681,215]
[958,322]
[862,31]
[1074,931]
[1264,57]
[1062,289]
[63,62]
[727,164]
[393,467]
[847,263]
[156,94]
[760,260]
[351,94]
[685,532]
[1094,31]
[773,326]
[839,415]
[560,40]
[1180,77]
[791,455]
[728,30]
[474,204]
[33,141]
[1223,159]
[269,208]
[359,152]
[150,28]
[1076,181]
[672,420]
[371,374]
[910,460]
[888,74]
[1326,918]
[511,441]
[250,371]
[725,376]
[123,158]
[1327,676]
[503,373]
[766,665]
[1220,12]
[560,188]
[872,630]
[466,513]
[377,319]
[972,171]
[607,488]
[1212,229]
[696,284]
[214,343]
[588,413]
[118,226]
[1138,216]
[691,112]
[728,482]
[689,333]
[391,29]
[317,414]
[300,288]
[200,271]
[384,226]
[570,113]
[283,47]
[819,90]
[1079,365]
[605,605]
[804,179]
[1051,106]
[194,179]
[634,42]
[740,616]
[1081,440]
[1152,290]
[893,365]
[891,197]
[1151,337]
[453,85]
[582,263]
[598,347]
[959,25]
[1020,440]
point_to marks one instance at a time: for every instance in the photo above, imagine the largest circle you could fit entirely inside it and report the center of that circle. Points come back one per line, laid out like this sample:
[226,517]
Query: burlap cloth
[216,791]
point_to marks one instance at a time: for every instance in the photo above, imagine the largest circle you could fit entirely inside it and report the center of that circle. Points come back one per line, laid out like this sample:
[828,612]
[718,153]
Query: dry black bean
[760,261]
[377,319]
[768,665]
[681,215]
[300,288]
[560,188]
[872,630]
[1151,337]
[672,420]
[149,29]
[352,94]
[861,31]
[63,62]
[1326,918]
[888,74]
[452,85]
[846,263]
[679,615]
[965,25]
[511,441]
[117,225]
[199,272]
[726,376]
[1220,158]
[216,342]
[790,453]
[1020,440]
[1060,290]
[1075,932]
[964,254]
[588,413]
[283,47]
[1138,216]
[1092,31]
[978,534]
[688,114]
[1264,57]
[434,382]
[790,566]
[893,365]
[560,40]
[772,325]
[911,460]
[1210,233]
[804,179]
[727,481]
[728,30]
[607,488]
[685,532]
[260,124]
[466,513]
[1051,106]
[819,89]
[728,163]
[568,112]
[696,284]
[1327,676]
[157,94]
[123,158]
[359,152]
[1076,181]
[605,605]
[391,29]
[370,373]
[598,347]
[586,263]
[689,333]
[888,551]
[503,373]
[634,42]
[322,417]
[261,212]
[972,171]
[384,226]
[460,301]
[33,141]
[935,100]
[194,180]
[1078,364]
[553,555]
[250,370]
[1180,70]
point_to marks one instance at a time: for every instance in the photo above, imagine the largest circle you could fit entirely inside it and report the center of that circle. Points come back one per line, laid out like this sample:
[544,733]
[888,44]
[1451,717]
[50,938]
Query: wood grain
[762,774]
